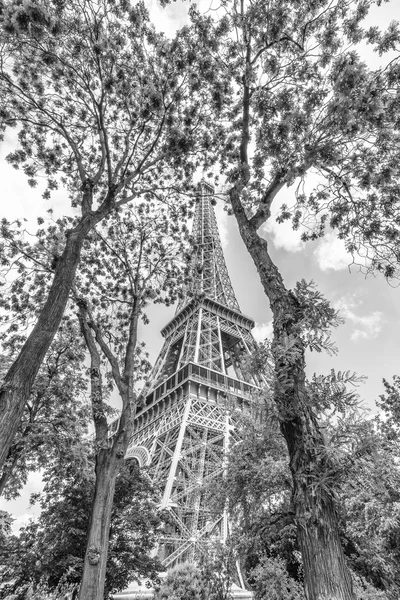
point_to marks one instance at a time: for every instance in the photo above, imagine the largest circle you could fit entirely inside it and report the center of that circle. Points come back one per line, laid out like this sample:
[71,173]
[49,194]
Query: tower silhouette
[197,388]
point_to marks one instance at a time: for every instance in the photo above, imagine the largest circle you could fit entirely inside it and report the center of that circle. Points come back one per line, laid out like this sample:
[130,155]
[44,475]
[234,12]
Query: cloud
[283,235]
[262,330]
[21,521]
[366,327]
[332,254]
[35,481]
[20,508]
[372,325]
[169,18]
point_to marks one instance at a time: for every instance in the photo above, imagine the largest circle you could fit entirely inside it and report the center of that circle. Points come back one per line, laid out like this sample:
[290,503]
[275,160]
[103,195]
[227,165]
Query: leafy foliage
[218,569]
[56,416]
[364,453]
[49,552]
[183,582]
[311,107]
[272,582]
[131,261]
[371,499]
[211,579]
[134,260]
[257,490]
[97,95]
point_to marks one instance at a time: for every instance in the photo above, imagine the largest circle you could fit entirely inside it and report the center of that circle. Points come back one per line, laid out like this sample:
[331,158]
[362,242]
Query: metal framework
[197,387]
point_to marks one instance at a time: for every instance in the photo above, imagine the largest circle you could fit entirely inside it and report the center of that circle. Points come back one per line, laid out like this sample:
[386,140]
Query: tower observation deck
[186,424]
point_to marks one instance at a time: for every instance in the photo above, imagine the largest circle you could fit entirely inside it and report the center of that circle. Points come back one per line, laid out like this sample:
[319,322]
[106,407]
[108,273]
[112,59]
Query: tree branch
[99,417]
[264,208]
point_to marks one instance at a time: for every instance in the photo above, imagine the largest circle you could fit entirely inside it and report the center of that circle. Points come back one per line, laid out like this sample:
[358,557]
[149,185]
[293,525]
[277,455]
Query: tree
[50,552]
[218,569]
[257,487]
[134,260]
[291,99]
[370,498]
[56,415]
[100,103]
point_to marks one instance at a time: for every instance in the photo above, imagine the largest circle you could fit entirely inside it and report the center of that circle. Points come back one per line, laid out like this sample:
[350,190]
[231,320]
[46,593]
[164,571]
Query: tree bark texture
[18,382]
[94,568]
[110,454]
[325,572]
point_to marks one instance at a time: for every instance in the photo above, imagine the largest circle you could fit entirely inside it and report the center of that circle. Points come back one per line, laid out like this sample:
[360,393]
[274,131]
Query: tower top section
[210,276]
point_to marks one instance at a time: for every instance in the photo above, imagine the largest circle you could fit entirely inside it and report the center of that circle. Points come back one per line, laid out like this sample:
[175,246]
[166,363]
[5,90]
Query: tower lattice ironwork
[197,386]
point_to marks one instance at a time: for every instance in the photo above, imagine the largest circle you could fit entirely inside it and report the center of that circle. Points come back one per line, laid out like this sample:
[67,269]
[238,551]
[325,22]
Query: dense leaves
[371,498]
[96,94]
[50,551]
[184,581]
[305,110]
[211,579]
[55,418]
[257,487]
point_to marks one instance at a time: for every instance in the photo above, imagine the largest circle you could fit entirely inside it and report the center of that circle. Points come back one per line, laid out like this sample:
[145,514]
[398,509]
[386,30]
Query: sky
[368,342]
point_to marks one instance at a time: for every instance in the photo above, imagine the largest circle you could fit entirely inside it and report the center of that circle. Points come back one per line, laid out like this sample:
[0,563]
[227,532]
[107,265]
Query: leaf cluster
[297,105]
[56,416]
[99,98]
[50,551]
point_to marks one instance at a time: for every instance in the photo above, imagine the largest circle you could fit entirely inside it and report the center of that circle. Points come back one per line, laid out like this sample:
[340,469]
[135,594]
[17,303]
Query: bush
[183,582]
[272,582]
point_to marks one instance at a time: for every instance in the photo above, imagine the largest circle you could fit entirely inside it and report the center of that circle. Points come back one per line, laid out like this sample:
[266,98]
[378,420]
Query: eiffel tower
[198,388]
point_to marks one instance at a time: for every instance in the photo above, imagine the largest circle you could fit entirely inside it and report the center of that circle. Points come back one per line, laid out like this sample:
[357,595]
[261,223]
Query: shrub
[183,582]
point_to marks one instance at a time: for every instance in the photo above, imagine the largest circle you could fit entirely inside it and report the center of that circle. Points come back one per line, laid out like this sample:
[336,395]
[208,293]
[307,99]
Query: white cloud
[332,254]
[35,481]
[365,326]
[262,331]
[169,18]
[21,201]
[20,508]
[21,521]
[283,235]
[372,326]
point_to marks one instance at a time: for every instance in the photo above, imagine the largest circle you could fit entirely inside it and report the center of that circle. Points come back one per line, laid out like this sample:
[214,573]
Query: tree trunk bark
[326,576]
[110,453]
[94,568]
[18,382]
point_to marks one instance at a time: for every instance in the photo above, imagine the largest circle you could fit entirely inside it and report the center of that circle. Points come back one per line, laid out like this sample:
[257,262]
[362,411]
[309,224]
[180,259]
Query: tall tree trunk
[109,459]
[19,380]
[325,572]
[110,454]
[94,568]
